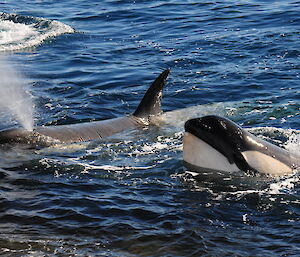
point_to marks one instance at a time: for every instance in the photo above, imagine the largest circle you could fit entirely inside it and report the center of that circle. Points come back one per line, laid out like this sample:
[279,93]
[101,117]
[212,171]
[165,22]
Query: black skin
[231,140]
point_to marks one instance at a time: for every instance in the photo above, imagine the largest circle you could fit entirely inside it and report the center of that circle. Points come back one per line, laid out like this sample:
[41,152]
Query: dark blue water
[130,194]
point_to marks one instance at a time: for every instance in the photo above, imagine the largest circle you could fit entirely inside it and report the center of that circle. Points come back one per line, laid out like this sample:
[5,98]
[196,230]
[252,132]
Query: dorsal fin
[151,102]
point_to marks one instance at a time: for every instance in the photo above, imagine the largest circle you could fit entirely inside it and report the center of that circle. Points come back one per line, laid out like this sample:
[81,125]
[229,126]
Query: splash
[14,97]
[19,32]
[293,143]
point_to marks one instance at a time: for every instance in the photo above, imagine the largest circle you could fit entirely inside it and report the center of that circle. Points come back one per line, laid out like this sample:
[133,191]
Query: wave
[18,32]
[286,138]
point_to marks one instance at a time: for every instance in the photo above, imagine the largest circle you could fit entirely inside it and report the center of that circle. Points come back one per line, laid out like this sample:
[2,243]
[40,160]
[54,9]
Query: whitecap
[19,32]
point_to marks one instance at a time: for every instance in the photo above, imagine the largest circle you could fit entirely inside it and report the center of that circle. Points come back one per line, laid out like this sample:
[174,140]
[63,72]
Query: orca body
[49,135]
[216,143]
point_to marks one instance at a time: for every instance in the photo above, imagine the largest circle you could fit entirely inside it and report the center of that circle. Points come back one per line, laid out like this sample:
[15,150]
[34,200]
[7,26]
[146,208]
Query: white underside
[202,155]
[265,163]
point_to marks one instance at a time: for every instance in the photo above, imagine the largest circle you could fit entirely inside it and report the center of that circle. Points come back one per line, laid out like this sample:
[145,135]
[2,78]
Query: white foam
[286,184]
[154,147]
[293,143]
[177,118]
[16,35]
[48,162]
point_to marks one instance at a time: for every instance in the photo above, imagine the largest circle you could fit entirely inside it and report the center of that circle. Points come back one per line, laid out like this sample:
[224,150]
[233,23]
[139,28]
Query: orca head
[213,142]
[216,143]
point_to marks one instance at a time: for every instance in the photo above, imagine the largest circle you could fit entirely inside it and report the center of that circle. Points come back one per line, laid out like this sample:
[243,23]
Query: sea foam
[19,32]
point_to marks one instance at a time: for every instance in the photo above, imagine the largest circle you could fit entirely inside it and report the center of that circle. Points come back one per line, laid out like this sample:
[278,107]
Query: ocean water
[130,195]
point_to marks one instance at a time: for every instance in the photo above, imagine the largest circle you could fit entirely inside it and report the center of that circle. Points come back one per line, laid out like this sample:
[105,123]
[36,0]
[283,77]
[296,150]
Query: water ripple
[130,195]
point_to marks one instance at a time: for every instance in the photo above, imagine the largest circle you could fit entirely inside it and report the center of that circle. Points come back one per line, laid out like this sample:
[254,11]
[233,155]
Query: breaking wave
[19,32]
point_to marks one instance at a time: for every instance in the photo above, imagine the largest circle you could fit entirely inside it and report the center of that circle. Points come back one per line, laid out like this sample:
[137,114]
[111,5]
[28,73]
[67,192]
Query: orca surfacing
[216,143]
[49,135]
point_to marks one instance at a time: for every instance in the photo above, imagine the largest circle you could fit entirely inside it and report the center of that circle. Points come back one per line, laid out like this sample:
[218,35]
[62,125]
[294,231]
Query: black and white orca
[49,135]
[216,143]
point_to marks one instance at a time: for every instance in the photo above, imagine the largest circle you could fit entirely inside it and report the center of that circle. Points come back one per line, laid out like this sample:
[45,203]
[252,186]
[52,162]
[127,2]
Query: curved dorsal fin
[151,102]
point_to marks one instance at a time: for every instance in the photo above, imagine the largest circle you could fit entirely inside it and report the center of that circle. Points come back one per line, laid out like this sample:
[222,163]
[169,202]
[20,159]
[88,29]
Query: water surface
[130,195]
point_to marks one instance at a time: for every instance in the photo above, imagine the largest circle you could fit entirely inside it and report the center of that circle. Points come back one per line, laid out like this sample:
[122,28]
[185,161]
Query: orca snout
[192,125]
[204,126]
[205,144]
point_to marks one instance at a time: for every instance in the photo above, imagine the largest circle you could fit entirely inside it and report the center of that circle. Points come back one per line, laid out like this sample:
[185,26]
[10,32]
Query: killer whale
[42,136]
[216,143]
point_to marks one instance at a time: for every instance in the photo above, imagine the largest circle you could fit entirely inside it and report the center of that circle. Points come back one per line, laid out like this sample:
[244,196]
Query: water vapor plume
[13,95]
